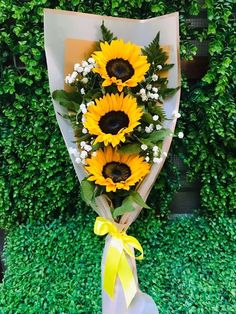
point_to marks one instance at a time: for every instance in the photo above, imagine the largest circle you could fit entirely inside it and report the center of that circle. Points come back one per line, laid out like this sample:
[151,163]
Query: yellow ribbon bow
[116,263]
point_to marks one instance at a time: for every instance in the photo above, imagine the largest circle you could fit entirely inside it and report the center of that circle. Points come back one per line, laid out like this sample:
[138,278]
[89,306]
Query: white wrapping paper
[59,26]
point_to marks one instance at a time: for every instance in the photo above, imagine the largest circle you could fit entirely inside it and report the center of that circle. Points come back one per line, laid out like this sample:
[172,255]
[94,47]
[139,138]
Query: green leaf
[154,53]
[147,117]
[137,198]
[167,67]
[130,148]
[158,136]
[87,191]
[96,146]
[155,109]
[71,101]
[107,35]
[127,206]
[167,92]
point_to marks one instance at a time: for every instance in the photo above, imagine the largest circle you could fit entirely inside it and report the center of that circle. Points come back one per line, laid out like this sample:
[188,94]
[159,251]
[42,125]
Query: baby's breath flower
[83,119]
[159,67]
[142,91]
[84,131]
[72,151]
[83,154]
[83,108]
[139,128]
[91,60]
[157,160]
[144,147]
[67,79]
[154,77]
[82,91]
[147,159]
[180,135]
[74,75]
[87,147]
[90,103]
[147,129]
[155,96]
[155,89]
[155,117]
[85,72]
[151,126]
[78,160]
[84,80]
[78,68]
[84,63]
[82,143]
[176,114]
[158,127]
[149,87]
[144,98]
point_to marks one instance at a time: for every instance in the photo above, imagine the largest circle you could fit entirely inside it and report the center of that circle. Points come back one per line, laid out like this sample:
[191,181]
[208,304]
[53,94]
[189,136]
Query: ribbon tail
[126,276]
[112,266]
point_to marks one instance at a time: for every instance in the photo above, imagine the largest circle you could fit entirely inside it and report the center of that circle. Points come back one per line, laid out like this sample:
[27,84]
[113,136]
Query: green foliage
[130,148]
[128,204]
[70,101]
[37,179]
[125,207]
[107,35]
[156,55]
[189,266]
[87,190]
[137,198]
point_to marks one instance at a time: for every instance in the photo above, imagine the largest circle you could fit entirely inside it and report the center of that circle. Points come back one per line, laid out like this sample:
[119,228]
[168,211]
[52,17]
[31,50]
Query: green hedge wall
[189,266]
[38,182]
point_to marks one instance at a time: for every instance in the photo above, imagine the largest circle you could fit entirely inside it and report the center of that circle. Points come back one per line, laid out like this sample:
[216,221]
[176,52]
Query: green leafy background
[188,266]
[38,182]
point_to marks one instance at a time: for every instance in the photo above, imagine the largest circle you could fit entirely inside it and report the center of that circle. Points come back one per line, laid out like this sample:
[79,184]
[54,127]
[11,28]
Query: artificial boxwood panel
[37,181]
[189,266]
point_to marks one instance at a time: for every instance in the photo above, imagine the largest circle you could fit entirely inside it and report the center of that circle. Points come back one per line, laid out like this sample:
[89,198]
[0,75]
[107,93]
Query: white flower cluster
[151,127]
[84,108]
[149,93]
[80,156]
[156,159]
[177,115]
[81,69]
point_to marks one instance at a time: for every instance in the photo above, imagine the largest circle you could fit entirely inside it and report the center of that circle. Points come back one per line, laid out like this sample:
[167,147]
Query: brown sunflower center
[116,171]
[120,69]
[113,121]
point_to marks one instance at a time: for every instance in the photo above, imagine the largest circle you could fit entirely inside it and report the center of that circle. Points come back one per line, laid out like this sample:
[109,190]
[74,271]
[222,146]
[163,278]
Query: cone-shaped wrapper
[63,32]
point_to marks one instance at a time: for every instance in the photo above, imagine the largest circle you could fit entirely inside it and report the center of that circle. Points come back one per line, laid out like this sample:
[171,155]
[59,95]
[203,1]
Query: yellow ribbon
[116,263]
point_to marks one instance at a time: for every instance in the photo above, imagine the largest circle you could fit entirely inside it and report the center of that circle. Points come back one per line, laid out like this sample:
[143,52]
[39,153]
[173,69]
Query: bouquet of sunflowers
[115,108]
[113,99]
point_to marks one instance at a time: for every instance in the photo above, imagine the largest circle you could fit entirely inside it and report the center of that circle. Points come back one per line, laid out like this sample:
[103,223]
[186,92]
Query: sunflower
[112,118]
[114,170]
[120,63]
